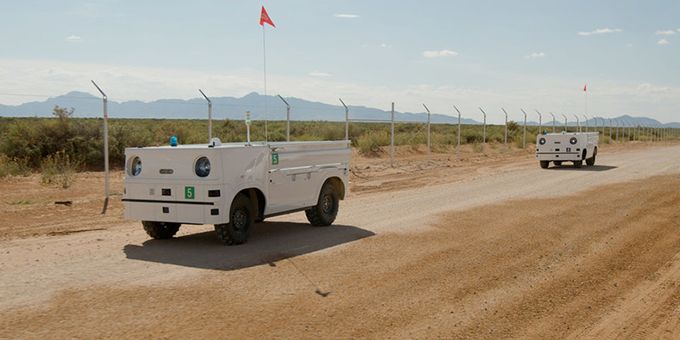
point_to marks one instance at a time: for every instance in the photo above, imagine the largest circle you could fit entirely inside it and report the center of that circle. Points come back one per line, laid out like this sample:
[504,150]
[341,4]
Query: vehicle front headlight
[573,141]
[202,167]
[135,166]
[541,141]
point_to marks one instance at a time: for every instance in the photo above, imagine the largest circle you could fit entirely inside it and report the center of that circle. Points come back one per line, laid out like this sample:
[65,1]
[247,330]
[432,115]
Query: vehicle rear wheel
[590,161]
[160,230]
[240,221]
[326,208]
[578,164]
[558,163]
[545,164]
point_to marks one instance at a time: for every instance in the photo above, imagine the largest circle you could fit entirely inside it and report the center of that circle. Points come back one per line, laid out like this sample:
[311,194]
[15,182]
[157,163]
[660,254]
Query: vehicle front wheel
[578,164]
[545,164]
[558,163]
[160,230]
[240,220]
[326,209]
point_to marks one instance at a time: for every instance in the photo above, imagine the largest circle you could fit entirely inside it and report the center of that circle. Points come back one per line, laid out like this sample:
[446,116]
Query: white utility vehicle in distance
[234,185]
[573,147]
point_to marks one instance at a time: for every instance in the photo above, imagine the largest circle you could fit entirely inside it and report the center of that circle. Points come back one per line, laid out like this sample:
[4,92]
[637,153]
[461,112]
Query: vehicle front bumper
[151,201]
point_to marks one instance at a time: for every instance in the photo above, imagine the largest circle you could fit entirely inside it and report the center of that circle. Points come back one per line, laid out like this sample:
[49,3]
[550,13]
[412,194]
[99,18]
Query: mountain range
[87,105]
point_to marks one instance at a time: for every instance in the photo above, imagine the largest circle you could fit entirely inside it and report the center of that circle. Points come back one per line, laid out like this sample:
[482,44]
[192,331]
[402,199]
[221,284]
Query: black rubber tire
[590,161]
[544,164]
[240,222]
[558,163]
[326,209]
[578,164]
[160,230]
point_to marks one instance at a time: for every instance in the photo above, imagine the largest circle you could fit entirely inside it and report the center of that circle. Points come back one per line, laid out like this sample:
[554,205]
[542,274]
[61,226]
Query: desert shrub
[13,167]
[58,169]
[471,135]
[370,143]
[477,147]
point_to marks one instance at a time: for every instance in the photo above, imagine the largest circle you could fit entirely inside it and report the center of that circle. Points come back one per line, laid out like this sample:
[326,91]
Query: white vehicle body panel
[558,146]
[288,174]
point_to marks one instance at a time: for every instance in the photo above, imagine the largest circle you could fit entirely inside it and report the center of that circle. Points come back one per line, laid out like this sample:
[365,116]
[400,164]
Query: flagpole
[264,54]
[585,94]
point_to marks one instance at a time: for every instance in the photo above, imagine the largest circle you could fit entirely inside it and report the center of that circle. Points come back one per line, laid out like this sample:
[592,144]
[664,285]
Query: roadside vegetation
[63,145]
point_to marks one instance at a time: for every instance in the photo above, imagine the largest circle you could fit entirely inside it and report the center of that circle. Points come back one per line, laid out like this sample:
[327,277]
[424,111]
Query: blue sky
[531,54]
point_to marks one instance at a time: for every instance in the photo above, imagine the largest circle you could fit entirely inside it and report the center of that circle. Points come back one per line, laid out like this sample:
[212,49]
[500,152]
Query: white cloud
[74,39]
[663,42]
[384,45]
[439,54]
[535,55]
[601,31]
[319,74]
[666,32]
[346,16]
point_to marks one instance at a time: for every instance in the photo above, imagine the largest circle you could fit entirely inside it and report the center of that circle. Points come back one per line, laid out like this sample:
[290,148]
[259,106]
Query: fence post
[506,126]
[540,121]
[428,127]
[458,135]
[553,116]
[346,120]
[209,115]
[524,139]
[287,117]
[617,129]
[106,146]
[484,128]
[392,138]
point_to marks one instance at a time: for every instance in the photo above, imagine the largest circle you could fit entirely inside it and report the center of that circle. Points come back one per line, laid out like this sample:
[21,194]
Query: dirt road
[513,251]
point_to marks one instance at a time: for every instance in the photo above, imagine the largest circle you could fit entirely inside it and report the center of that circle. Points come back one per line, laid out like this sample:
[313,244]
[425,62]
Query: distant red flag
[264,18]
[584,87]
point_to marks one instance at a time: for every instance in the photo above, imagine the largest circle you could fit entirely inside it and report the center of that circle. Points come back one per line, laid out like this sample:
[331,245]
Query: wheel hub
[327,204]
[239,219]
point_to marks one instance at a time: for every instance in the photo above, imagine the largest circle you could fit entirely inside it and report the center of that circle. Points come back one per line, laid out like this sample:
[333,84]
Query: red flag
[584,87]
[264,18]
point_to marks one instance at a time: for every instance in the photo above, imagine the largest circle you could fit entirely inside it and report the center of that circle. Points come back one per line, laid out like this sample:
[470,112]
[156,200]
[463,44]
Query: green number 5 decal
[189,193]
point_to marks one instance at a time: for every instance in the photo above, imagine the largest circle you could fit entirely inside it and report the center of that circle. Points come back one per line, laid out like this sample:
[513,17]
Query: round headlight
[541,141]
[202,167]
[573,140]
[135,166]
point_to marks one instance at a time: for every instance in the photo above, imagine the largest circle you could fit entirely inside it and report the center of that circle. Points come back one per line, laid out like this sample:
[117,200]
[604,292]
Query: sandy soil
[497,248]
